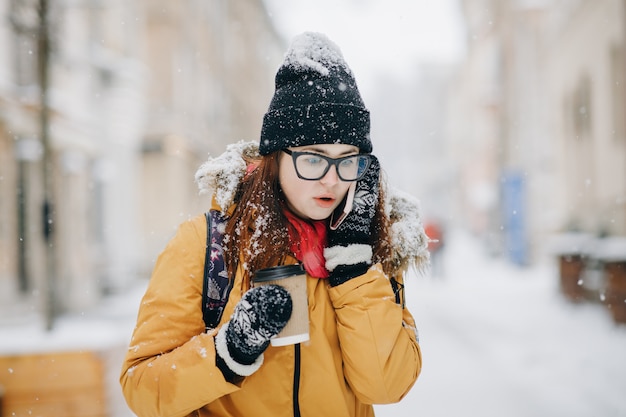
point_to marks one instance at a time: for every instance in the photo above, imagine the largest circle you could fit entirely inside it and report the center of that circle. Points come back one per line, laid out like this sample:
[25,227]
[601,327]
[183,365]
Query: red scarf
[308,240]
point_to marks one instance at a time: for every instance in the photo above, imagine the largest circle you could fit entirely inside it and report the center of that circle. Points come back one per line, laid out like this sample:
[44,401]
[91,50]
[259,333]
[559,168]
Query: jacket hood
[409,241]
[221,175]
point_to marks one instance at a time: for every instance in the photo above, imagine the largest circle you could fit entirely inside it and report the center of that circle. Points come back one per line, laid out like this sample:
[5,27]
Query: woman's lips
[325,201]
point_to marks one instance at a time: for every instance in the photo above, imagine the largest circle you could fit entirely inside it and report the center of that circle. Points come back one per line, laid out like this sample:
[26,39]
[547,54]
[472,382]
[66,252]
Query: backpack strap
[216,285]
[398,289]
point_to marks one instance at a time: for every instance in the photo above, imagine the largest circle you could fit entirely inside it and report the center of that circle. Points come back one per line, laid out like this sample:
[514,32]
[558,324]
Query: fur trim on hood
[221,175]
[410,242]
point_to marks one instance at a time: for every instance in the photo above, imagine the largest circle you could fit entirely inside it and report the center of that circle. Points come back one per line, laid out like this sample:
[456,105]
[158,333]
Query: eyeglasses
[313,166]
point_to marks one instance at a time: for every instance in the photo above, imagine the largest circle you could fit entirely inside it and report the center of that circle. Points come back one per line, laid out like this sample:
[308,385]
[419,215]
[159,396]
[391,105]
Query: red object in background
[435,235]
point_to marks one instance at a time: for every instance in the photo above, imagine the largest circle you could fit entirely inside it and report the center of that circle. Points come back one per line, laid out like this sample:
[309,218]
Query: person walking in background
[310,193]
[436,244]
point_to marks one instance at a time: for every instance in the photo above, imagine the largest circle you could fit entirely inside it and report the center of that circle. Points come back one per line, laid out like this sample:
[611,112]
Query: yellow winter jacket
[362,348]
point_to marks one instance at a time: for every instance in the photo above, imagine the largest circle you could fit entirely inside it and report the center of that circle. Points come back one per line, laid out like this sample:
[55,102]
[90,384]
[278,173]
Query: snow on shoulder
[409,240]
[315,51]
[221,175]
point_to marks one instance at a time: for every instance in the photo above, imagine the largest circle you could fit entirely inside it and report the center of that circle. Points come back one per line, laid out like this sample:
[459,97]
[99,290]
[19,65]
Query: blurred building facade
[212,78]
[139,94]
[538,121]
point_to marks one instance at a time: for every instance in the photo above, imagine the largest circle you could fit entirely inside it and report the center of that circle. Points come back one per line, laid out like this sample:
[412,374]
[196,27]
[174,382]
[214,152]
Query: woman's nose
[331,177]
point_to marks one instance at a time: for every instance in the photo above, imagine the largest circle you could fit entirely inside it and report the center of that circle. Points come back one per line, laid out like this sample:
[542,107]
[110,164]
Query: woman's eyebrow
[323,152]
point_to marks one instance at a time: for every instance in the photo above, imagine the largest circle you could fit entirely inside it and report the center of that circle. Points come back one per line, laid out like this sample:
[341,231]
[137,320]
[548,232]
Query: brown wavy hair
[257,231]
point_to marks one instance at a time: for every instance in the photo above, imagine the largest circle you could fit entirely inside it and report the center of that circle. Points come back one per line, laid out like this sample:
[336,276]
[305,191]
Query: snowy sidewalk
[502,341]
[496,340]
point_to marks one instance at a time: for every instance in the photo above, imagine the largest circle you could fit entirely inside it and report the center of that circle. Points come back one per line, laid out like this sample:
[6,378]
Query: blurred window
[582,108]
[618,90]
[24,20]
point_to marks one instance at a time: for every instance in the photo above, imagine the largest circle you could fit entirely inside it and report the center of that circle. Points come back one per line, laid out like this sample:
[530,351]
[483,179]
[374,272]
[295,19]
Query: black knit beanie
[316,100]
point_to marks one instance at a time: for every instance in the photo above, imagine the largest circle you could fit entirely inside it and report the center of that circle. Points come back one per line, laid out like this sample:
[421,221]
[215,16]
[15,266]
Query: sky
[384,42]
[378,36]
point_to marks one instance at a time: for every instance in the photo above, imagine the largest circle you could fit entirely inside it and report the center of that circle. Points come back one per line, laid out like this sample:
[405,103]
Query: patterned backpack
[216,285]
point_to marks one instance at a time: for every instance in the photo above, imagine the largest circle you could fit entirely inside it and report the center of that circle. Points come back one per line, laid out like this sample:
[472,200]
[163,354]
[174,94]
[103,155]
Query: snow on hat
[316,100]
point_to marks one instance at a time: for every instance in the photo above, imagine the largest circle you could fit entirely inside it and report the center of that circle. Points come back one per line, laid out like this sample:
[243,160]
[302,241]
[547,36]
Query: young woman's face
[315,199]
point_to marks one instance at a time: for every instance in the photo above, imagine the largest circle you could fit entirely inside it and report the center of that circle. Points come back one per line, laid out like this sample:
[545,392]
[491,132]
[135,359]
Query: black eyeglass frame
[331,162]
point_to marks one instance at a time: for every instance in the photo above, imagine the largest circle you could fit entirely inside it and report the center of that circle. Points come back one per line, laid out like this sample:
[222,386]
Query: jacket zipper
[296,381]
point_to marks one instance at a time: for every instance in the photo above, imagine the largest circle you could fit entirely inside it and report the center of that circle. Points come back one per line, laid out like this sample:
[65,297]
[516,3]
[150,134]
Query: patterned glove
[349,251]
[260,315]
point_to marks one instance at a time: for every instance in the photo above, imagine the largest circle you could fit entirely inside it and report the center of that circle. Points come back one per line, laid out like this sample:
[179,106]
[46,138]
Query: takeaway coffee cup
[293,279]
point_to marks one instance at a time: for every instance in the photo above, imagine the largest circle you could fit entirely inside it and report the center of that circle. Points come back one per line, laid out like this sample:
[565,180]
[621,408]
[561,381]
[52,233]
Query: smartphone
[342,211]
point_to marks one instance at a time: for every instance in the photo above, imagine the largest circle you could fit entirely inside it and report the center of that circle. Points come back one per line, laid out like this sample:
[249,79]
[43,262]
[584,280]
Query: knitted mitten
[349,251]
[260,315]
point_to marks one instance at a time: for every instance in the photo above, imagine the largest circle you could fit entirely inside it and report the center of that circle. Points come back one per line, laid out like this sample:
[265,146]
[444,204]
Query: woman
[280,199]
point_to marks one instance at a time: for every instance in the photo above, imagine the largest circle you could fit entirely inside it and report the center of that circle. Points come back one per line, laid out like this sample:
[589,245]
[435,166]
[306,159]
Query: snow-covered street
[496,341]
[502,341]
